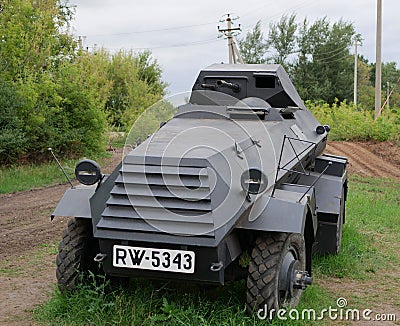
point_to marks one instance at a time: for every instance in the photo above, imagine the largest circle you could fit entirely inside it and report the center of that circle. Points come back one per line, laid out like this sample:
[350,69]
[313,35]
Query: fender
[75,202]
[329,191]
[284,212]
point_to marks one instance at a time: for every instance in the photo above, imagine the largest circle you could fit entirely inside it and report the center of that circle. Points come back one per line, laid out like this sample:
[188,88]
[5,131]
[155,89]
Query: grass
[35,261]
[146,304]
[25,177]
[30,176]
[10,272]
[370,246]
[372,225]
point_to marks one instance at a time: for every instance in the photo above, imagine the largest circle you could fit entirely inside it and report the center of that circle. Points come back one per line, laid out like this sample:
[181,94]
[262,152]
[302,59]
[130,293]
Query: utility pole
[388,94]
[355,70]
[378,70]
[81,41]
[229,33]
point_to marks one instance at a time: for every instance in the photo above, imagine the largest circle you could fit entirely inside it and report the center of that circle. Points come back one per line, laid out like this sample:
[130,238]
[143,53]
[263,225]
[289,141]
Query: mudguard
[286,211]
[75,202]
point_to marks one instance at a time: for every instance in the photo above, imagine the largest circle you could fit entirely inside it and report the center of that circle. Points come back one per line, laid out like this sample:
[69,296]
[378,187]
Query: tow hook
[216,267]
[301,280]
[100,257]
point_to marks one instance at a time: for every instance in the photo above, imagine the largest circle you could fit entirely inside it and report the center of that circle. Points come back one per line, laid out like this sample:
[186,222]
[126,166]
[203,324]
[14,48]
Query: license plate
[165,260]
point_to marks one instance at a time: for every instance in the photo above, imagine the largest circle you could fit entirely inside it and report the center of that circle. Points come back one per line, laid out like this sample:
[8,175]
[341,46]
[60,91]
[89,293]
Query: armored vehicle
[234,186]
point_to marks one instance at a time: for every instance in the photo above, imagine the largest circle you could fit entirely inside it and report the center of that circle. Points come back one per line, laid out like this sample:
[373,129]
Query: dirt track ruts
[368,159]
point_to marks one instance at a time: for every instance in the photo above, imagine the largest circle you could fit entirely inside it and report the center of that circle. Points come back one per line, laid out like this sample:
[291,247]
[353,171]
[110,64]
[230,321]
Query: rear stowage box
[336,169]
[330,223]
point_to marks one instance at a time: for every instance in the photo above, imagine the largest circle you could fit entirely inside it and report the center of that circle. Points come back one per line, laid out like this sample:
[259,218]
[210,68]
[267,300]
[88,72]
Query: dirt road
[28,238]
[369,159]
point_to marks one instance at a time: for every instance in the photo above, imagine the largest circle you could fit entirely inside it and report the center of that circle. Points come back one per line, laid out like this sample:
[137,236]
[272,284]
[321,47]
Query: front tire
[75,254]
[274,258]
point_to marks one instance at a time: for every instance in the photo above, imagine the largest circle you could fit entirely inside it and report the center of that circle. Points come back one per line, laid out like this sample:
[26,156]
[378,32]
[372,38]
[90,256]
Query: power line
[298,6]
[328,57]
[154,30]
[171,45]
[330,61]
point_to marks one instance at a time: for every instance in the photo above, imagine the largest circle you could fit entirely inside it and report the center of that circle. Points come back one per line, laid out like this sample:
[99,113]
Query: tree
[253,47]
[316,55]
[136,84]
[150,72]
[366,83]
[324,67]
[34,36]
[282,39]
[365,90]
[54,95]
[13,141]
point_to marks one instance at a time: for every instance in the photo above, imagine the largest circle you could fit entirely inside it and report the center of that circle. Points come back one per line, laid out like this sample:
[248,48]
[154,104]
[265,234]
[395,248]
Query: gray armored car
[234,186]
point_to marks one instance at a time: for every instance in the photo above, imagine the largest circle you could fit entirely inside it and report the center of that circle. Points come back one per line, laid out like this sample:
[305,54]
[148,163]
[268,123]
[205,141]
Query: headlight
[320,130]
[88,172]
[254,181]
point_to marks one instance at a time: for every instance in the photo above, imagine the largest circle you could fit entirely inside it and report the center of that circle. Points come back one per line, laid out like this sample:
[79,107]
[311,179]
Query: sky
[183,35]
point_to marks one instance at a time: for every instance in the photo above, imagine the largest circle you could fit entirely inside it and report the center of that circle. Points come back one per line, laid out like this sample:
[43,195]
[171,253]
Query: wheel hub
[291,277]
[301,280]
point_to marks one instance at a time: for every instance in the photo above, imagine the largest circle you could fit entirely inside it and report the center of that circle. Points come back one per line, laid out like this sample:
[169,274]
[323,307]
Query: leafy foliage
[253,46]
[150,120]
[34,36]
[12,136]
[324,67]
[54,95]
[282,39]
[348,123]
[317,57]
[136,84]
[366,83]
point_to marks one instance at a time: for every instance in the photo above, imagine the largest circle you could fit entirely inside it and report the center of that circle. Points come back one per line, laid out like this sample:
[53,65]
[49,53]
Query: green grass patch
[10,272]
[25,177]
[143,303]
[372,226]
[30,176]
[32,262]
[372,222]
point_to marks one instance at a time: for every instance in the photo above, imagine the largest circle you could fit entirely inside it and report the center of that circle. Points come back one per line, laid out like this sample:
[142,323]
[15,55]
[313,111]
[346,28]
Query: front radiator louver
[155,198]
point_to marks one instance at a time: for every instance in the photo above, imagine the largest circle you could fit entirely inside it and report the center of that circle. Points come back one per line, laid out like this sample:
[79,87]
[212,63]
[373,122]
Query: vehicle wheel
[75,254]
[271,274]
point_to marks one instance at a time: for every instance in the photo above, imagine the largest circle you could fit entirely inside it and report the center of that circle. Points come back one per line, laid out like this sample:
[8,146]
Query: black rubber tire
[267,257]
[75,254]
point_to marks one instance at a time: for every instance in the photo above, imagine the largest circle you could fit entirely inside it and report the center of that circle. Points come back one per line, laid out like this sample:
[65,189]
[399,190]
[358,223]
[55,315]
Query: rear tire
[264,281]
[76,252]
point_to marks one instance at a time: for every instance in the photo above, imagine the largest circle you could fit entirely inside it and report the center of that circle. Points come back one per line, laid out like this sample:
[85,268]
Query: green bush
[13,140]
[54,95]
[55,110]
[349,123]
